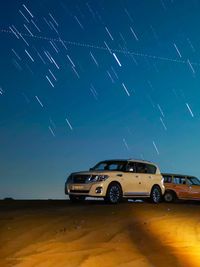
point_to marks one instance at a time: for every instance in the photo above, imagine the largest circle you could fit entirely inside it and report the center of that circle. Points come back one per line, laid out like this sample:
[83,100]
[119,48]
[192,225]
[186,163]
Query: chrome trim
[136,194]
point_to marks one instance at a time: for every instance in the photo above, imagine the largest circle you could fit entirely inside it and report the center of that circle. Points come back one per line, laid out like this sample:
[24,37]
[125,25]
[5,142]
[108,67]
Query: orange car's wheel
[169,196]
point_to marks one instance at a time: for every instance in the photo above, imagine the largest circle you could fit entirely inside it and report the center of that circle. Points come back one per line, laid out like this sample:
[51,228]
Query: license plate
[77,187]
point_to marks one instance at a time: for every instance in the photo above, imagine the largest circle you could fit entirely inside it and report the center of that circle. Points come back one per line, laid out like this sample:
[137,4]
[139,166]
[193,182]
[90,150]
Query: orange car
[181,187]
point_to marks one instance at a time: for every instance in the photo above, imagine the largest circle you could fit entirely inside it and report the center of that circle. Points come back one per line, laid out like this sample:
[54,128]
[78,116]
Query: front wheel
[114,194]
[169,196]
[76,199]
[156,194]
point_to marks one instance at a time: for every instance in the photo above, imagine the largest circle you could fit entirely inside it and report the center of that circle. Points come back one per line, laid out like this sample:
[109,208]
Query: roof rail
[128,160]
[141,160]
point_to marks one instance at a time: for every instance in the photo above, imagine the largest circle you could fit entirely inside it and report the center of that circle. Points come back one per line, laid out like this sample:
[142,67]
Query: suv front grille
[80,179]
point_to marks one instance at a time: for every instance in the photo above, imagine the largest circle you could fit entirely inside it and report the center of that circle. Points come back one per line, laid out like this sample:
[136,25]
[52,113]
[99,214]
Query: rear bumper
[91,189]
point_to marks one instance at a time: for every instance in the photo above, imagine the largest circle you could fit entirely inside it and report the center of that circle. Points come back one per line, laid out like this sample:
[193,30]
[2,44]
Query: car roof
[176,174]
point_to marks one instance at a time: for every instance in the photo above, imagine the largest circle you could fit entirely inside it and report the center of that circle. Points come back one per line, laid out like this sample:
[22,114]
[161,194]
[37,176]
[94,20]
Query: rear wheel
[156,194]
[114,194]
[169,196]
[76,199]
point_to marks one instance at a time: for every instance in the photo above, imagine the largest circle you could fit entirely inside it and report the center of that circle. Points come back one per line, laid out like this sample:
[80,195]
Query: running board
[136,194]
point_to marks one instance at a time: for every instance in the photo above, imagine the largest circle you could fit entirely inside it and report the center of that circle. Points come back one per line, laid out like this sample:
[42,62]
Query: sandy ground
[92,234]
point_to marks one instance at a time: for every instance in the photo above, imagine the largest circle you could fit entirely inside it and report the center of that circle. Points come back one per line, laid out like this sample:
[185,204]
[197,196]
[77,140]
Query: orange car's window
[179,180]
[167,179]
[193,181]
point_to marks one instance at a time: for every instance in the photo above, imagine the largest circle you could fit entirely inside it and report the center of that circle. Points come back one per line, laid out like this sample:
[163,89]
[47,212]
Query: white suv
[117,179]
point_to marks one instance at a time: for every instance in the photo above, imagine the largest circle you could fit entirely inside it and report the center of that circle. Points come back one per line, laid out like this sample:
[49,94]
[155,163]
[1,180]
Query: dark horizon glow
[85,81]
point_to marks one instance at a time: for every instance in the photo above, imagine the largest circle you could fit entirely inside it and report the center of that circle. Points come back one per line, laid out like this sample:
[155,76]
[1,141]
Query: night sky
[83,81]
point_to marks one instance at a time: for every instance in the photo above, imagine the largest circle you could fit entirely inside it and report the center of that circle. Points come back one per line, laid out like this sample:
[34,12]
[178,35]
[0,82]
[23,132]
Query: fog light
[98,190]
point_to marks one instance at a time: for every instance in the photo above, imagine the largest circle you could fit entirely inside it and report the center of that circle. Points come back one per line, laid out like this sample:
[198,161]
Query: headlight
[97,178]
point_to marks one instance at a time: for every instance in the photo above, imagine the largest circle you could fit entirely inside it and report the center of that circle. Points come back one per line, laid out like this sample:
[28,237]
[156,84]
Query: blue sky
[84,81]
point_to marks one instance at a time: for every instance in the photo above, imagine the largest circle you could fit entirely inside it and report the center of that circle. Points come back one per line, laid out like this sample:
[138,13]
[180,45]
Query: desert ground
[93,234]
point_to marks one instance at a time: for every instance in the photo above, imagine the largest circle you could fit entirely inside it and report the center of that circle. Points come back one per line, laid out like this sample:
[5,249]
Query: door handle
[149,176]
[120,175]
[136,176]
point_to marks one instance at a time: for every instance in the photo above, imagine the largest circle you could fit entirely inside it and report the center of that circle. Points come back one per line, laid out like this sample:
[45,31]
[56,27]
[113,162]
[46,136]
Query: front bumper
[90,189]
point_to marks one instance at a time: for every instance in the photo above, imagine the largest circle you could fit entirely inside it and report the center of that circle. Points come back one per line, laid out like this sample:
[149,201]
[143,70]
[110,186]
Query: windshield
[193,181]
[110,166]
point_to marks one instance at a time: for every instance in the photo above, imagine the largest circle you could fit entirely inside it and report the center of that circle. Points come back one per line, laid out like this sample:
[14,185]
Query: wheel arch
[114,182]
[107,197]
[156,185]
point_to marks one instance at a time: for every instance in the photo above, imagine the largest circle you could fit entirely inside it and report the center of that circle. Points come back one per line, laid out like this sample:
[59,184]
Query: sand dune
[57,233]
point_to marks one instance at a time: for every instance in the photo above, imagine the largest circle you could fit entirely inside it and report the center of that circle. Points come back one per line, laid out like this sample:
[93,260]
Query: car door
[194,188]
[140,180]
[181,187]
[132,181]
[150,177]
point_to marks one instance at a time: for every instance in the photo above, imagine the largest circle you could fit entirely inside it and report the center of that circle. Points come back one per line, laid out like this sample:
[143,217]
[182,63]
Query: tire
[169,196]
[114,193]
[156,194]
[76,199]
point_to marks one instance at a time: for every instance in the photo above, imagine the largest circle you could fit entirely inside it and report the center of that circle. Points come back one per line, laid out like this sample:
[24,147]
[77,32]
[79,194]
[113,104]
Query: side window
[113,167]
[179,180]
[193,181]
[151,169]
[130,167]
[167,178]
[101,166]
[141,167]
